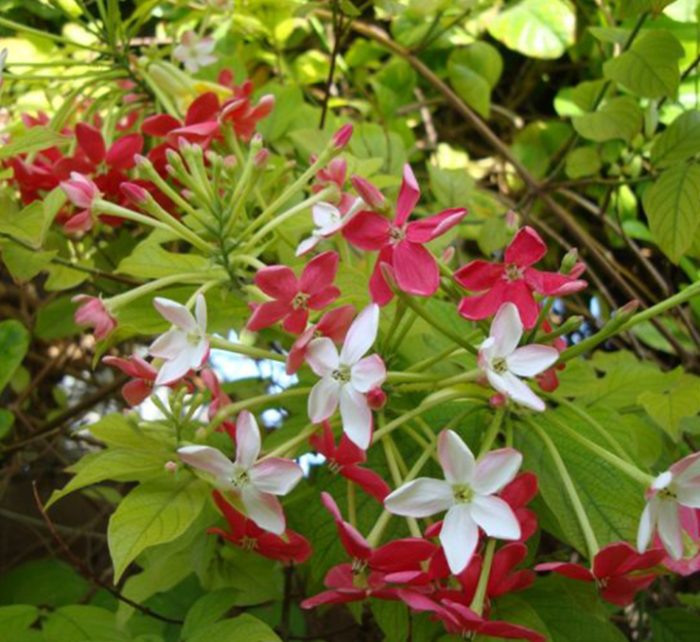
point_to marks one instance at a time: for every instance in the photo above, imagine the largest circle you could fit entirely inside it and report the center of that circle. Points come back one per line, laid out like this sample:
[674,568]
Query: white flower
[503,362]
[678,486]
[195,52]
[256,484]
[347,378]
[328,220]
[185,346]
[466,495]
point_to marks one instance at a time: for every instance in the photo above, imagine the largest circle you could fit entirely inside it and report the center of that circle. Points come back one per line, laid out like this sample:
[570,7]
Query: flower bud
[80,190]
[368,192]
[170,466]
[342,137]
[94,313]
[448,254]
[512,220]
[260,159]
[136,194]
[569,262]
[376,398]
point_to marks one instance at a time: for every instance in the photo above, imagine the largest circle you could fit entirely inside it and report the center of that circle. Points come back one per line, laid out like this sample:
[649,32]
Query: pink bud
[136,194]
[376,398]
[512,220]
[448,254]
[342,137]
[170,466]
[260,159]
[230,161]
[93,313]
[368,192]
[497,401]
[80,190]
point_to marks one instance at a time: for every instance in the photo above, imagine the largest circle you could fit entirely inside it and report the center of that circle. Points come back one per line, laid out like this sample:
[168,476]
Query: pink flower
[81,192]
[333,324]
[467,494]
[142,373]
[195,52]
[401,244]
[292,297]
[514,280]
[255,483]
[93,313]
[342,137]
[504,362]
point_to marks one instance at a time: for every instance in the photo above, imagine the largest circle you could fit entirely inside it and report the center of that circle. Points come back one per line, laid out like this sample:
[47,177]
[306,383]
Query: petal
[264,509]
[567,569]
[459,536]
[361,335]
[368,480]
[402,554]
[427,229]
[529,361]
[669,527]
[267,314]
[456,459]
[519,293]
[91,142]
[367,231]
[209,460]
[323,400]
[159,125]
[611,558]
[688,496]
[509,385]
[647,523]
[378,287]
[526,248]
[325,215]
[368,373]
[176,313]
[319,273]
[506,329]
[496,469]
[307,244]
[421,497]
[495,517]
[169,345]
[121,154]
[415,268]
[479,275]
[277,281]
[322,356]
[203,108]
[482,306]
[247,440]
[553,283]
[275,475]
[356,416]
[174,369]
[409,194]
[323,298]
[295,322]
[335,323]
[200,313]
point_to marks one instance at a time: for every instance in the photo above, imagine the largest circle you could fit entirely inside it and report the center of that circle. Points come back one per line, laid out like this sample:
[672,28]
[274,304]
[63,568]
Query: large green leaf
[47,582]
[80,623]
[150,261]
[649,68]
[33,222]
[674,625]
[16,619]
[474,72]
[679,141]
[616,118]
[669,407]
[151,514]
[536,28]
[207,610]
[14,341]
[244,627]
[671,205]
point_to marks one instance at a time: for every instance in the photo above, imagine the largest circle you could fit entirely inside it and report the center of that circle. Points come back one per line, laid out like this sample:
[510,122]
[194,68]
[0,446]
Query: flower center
[299,301]
[462,493]
[397,234]
[249,543]
[240,478]
[499,365]
[513,272]
[667,493]
[193,338]
[341,374]
[334,466]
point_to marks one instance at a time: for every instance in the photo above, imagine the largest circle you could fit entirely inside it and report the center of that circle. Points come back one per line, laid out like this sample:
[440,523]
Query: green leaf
[151,514]
[536,28]
[7,419]
[633,8]
[207,610]
[474,72]
[583,161]
[46,582]
[120,431]
[24,264]
[14,342]
[55,319]
[393,620]
[674,625]
[16,619]
[62,277]
[616,118]
[32,140]
[33,222]
[244,627]
[80,623]
[671,205]
[669,407]
[649,68]
[150,261]
[679,141]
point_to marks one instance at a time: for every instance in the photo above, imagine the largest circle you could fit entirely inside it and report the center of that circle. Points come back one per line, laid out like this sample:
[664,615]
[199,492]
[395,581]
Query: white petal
[529,361]
[247,440]
[421,497]
[646,526]
[506,329]
[198,354]
[323,400]
[275,475]
[487,351]
[169,345]
[662,481]
[495,469]
[368,373]
[361,335]
[264,509]
[176,313]
[512,387]
[456,459]
[356,416]
[459,536]
[688,495]
[325,215]
[200,313]
[174,369]
[495,517]
[209,460]
[307,244]
[322,356]
[669,526]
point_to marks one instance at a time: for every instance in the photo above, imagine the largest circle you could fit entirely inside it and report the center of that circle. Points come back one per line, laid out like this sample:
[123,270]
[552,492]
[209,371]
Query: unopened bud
[170,466]
[568,263]
[376,398]
[260,159]
[448,254]
[136,194]
[342,137]
[230,161]
[512,220]
[497,401]
[368,192]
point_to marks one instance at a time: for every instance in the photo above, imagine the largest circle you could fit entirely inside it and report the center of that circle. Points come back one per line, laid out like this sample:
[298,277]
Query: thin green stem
[477,604]
[492,431]
[248,351]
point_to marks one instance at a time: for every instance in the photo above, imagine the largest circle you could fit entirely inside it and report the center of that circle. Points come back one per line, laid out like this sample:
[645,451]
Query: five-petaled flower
[514,280]
[467,494]
[195,52]
[256,483]
[292,297]
[401,244]
[184,347]
[346,378]
[677,487]
[503,361]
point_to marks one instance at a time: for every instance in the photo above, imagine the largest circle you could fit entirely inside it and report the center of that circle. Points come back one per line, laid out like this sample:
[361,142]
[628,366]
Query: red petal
[367,231]
[567,569]
[203,108]
[121,153]
[553,283]
[416,269]
[295,322]
[521,490]
[134,392]
[482,306]
[277,281]
[427,229]
[267,314]
[519,293]
[621,590]
[159,125]
[479,275]
[409,194]
[91,142]
[526,248]
[335,324]
[368,480]
[236,521]
[378,287]
[323,298]
[319,273]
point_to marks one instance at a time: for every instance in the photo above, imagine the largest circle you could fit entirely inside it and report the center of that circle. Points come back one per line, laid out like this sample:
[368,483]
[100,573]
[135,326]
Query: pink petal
[361,335]
[277,281]
[409,194]
[459,536]
[456,459]
[479,275]
[207,459]
[529,361]
[134,392]
[427,229]
[553,283]
[509,385]
[526,248]
[496,469]
[419,498]
[495,517]
[367,231]
[368,373]
[319,273]
[416,269]
[247,439]
[275,475]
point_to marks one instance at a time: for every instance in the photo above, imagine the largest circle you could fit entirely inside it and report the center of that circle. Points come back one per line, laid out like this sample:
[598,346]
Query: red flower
[347,585]
[333,324]
[344,460]
[143,376]
[400,243]
[293,298]
[618,570]
[93,313]
[244,533]
[514,280]
[517,494]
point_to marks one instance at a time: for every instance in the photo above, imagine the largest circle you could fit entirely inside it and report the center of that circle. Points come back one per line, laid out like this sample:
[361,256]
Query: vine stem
[477,604]
[248,351]
[492,431]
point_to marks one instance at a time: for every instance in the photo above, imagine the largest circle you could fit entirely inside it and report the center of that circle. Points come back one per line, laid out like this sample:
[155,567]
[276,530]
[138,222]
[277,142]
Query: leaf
[33,222]
[583,161]
[46,582]
[244,627]
[617,118]
[32,140]
[16,619]
[151,514]
[24,264]
[679,141]
[14,342]
[207,610]
[55,319]
[80,623]
[674,625]
[7,419]
[393,620]
[671,207]
[536,28]
[150,261]
[473,72]
[649,68]
[669,407]
[633,8]
[120,431]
